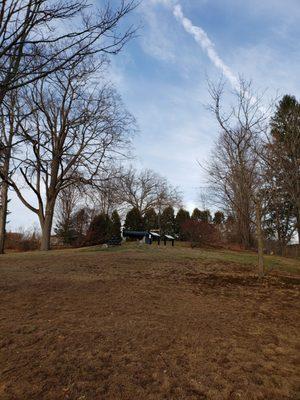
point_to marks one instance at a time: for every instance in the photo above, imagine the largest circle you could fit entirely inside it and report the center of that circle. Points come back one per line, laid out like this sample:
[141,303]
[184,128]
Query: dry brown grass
[146,324]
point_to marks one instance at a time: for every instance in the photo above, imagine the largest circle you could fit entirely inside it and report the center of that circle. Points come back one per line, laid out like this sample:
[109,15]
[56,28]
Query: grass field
[140,322]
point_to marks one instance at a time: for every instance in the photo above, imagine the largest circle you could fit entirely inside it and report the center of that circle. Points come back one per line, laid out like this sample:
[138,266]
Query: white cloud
[207,45]
[156,39]
[268,69]
[168,3]
[158,44]
[175,128]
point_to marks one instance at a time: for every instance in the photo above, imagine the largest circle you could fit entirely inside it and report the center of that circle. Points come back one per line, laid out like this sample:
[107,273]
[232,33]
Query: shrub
[201,233]
[22,241]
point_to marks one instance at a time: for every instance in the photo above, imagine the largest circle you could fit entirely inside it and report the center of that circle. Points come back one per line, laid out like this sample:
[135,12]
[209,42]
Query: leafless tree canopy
[104,197]
[123,188]
[147,189]
[9,142]
[39,37]
[72,131]
[235,169]
[42,43]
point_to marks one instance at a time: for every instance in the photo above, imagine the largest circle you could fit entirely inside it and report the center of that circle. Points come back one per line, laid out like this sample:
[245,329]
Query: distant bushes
[22,241]
[201,233]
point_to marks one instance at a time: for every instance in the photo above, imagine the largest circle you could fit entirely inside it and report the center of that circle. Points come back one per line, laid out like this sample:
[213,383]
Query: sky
[162,77]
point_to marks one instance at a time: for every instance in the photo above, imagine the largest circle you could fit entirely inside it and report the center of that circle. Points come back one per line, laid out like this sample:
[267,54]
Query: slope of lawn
[141,322]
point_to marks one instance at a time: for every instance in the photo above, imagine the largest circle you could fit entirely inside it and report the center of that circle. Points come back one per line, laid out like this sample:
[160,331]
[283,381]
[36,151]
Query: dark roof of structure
[135,233]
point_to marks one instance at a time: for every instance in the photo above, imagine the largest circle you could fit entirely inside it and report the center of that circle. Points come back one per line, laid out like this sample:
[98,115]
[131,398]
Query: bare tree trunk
[46,226]
[298,222]
[3,215]
[260,240]
[46,235]
[244,230]
[159,221]
[4,195]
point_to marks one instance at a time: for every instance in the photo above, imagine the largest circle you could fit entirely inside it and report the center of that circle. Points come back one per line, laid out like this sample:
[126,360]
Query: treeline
[200,228]
[87,216]
[169,221]
[84,227]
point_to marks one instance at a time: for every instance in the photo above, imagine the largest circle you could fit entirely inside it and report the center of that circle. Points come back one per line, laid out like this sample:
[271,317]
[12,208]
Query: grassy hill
[145,322]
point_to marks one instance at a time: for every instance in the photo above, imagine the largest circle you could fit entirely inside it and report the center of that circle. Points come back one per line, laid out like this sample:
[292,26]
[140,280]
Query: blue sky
[161,75]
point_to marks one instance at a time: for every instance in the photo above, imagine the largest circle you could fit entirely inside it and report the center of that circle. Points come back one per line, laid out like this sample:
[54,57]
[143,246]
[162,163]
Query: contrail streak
[207,45]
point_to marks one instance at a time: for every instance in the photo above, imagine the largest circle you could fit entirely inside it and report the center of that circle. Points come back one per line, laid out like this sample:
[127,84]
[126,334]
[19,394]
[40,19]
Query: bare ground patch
[86,326]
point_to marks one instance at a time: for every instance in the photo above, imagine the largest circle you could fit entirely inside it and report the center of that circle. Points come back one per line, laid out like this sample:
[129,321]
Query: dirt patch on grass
[93,326]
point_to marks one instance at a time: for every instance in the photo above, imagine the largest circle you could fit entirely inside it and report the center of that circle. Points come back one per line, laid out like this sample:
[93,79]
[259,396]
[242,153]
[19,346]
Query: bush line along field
[148,322]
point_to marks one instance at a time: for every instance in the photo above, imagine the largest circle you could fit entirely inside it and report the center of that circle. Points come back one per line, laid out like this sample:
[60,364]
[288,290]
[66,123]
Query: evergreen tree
[219,218]
[181,218]
[279,223]
[205,216]
[116,224]
[150,219]
[134,220]
[99,230]
[285,122]
[81,223]
[65,229]
[167,221]
[196,214]
[283,160]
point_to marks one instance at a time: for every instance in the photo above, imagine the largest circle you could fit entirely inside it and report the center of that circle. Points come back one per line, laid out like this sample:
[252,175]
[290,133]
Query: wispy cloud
[155,40]
[162,78]
[201,38]
[207,45]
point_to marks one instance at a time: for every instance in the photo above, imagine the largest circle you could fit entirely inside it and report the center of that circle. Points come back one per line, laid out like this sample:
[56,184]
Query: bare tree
[231,180]
[39,37]
[72,132]
[235,167]
[42,37]
[260,236]
[9,142]
[7,135]
[203,197]
[105,197]
[147,189]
